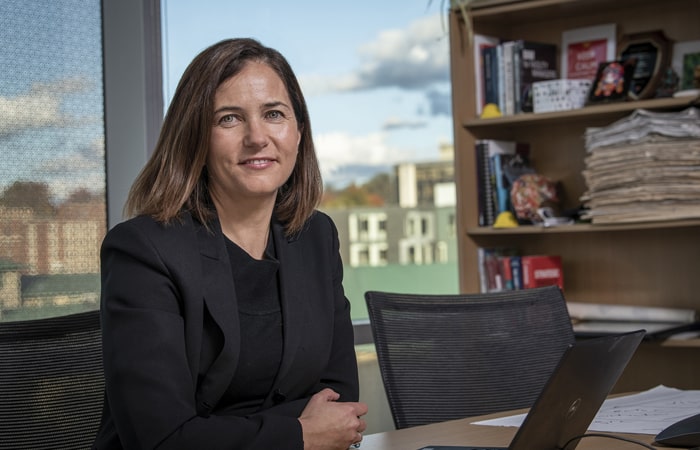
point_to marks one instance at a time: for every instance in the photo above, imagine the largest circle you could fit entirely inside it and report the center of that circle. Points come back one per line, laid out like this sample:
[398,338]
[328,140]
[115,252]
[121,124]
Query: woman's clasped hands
[329,425]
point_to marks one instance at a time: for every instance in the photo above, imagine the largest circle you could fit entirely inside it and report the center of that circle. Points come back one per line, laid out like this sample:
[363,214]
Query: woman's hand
[329,425]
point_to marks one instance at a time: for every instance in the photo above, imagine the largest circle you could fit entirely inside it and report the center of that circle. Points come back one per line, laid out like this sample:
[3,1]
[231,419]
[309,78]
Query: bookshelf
[648,264]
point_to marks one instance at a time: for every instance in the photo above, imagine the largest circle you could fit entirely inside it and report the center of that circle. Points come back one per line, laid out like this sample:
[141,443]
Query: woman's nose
[256,135]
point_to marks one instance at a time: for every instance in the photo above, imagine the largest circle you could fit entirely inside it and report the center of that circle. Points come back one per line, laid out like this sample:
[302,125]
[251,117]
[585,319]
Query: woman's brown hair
[175,177]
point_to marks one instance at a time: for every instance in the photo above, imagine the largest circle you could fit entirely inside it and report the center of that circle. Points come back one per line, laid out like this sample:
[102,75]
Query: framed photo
[686,57]
[650,51]
[612,81]
[583,49]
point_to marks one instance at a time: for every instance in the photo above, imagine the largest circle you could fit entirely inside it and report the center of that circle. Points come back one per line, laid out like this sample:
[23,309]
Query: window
[56,108]
[376,79]
[364,228]
[52,166]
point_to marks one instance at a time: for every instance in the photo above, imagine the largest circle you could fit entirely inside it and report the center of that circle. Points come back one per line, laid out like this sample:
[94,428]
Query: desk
[461,432]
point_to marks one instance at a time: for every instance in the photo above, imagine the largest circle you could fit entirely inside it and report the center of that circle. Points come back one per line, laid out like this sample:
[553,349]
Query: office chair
[51,382]
[445,357]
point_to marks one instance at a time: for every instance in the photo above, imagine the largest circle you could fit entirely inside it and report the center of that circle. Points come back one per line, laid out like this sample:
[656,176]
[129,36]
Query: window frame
[133,89]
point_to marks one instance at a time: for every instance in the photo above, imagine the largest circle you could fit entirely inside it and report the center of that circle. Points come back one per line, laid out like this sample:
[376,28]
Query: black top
[261,327]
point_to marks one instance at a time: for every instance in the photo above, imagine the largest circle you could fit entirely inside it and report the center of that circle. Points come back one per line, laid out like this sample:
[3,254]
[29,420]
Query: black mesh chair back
[51,382]
[446,357]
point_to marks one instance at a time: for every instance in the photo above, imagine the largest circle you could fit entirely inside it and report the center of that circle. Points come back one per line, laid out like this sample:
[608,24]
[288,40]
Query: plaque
[650,53]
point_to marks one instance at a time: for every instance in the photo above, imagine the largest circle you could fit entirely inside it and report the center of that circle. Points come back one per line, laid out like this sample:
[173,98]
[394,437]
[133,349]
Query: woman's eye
[275,115]
[227,120]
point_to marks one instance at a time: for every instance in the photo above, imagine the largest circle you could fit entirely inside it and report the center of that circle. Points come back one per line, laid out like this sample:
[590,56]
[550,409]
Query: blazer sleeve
[149,382]
[341,373]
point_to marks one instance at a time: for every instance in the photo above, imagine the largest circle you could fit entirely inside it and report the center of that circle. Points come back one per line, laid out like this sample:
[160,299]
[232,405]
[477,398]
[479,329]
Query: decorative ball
[530,192]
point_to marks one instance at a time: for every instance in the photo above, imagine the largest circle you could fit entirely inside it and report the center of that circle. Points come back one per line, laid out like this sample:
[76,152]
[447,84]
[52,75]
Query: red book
[507,272]
[542,270]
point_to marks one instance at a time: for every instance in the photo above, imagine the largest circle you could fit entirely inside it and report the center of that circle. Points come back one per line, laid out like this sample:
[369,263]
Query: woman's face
[254,139]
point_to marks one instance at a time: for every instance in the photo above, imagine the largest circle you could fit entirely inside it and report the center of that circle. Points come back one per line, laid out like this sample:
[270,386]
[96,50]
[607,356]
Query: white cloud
[415,57]
[40,107]
[83,169]
[339,149]
[91,158]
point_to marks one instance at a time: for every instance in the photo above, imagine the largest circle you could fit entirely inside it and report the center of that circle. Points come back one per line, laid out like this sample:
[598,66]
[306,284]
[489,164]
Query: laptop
[569,401]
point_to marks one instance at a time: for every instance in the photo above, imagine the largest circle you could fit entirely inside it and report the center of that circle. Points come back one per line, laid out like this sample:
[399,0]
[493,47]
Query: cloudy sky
[375,73]
[51,115]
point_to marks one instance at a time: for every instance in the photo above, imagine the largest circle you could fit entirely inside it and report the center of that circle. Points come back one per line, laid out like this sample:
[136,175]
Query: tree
[352,195]
[382,186]
[28,194]
[83,195]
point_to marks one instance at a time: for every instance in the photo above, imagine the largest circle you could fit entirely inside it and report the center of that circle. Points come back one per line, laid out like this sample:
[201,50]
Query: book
[508,78]
[542,270]
[517,78]
[502,196]
[487,180]
[489,272]
[485,206]
[494,275]
[490,57]
[480,266]
[500,78]
[480,43]
[487,184]
[583,49]
[506,272]
[510,68]
[507,153]
[491,267]
[532,61]
[517,271]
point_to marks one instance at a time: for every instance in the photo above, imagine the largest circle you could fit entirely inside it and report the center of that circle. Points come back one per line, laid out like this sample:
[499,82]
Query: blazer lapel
[220,299]
[291,273]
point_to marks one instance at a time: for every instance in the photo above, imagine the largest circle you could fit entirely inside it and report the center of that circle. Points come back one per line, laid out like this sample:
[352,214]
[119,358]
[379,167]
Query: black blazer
[171,336]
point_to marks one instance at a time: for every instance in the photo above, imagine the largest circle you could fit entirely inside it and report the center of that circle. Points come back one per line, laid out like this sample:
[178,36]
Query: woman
[225,324]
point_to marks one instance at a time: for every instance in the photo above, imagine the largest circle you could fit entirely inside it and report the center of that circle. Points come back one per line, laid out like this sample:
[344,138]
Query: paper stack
[645,167]
[659,322]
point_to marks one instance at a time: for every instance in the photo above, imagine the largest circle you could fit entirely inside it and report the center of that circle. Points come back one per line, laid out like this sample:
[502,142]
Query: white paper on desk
[646,412]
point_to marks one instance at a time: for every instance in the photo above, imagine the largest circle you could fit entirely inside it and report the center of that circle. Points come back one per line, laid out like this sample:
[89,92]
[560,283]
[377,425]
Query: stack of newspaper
[645,167]
[659,322]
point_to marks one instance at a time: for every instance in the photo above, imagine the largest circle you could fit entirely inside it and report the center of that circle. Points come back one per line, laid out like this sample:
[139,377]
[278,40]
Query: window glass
[376,79]
[52,166]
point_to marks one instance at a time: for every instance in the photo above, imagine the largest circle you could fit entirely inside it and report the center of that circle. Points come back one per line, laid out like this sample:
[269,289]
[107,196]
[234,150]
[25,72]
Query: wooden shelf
[647,264]
[513,12]
[609,111]
[681,343]
[581,228]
